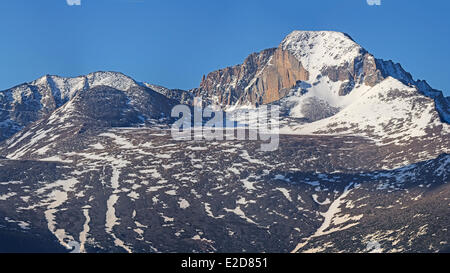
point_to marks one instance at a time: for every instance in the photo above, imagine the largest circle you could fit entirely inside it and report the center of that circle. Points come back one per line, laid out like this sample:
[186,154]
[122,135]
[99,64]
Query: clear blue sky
[173,43]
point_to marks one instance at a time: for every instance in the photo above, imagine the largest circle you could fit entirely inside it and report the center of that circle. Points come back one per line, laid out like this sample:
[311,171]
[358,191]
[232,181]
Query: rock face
[181,96]
[282,72]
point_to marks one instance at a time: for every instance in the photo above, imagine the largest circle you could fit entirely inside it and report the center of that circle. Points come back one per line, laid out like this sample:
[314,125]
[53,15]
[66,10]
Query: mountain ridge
[362,165]
[323,69]
[307,58]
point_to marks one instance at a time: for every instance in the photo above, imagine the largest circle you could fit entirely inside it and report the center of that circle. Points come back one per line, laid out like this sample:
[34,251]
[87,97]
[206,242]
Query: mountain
[181,96]
[29,102]
[325,68]
[363,163]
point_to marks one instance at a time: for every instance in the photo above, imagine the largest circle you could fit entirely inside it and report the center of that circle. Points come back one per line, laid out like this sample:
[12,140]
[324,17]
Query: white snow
[171,192]
[121,141]
[316,199]
[7,196]
[324,90]
[98,146]
[331,218]
[183,203]
[209,212]
[319,49]
[244,154]
[54,200]
[285,192]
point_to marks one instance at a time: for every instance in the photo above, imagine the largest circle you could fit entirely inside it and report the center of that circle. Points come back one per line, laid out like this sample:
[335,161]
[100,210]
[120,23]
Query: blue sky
[173,43]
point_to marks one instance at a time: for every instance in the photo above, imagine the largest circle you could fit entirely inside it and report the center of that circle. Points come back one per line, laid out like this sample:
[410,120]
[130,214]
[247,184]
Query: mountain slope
[95,109]
[389,110]
[362,164]
[138,190]
[29,102]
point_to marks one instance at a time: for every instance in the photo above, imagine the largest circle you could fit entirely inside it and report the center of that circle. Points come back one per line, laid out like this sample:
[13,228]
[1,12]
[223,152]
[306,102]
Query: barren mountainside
[87,164]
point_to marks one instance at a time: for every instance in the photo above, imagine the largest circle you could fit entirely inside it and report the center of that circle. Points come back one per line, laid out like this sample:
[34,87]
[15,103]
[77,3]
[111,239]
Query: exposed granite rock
[181,96]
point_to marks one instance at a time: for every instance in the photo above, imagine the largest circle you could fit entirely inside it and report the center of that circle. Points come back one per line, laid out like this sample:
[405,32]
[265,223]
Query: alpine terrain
[88,164]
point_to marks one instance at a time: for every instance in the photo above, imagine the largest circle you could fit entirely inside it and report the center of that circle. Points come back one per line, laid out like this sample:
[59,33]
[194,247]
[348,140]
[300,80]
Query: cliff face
[282,73]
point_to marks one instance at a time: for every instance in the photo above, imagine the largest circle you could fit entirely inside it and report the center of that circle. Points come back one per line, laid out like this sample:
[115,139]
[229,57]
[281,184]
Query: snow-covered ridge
[61,89]
[66,88]
[338,74]
[319,49]
[338,71]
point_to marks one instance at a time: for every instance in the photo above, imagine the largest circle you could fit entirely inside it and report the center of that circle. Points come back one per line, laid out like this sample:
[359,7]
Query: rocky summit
[88,164]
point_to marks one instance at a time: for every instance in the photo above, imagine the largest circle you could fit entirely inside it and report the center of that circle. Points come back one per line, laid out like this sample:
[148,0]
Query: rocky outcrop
[230,85]
[367,70]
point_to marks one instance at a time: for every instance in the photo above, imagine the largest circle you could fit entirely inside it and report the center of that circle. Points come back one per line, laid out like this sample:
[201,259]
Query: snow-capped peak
[115,80]
[319,49]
